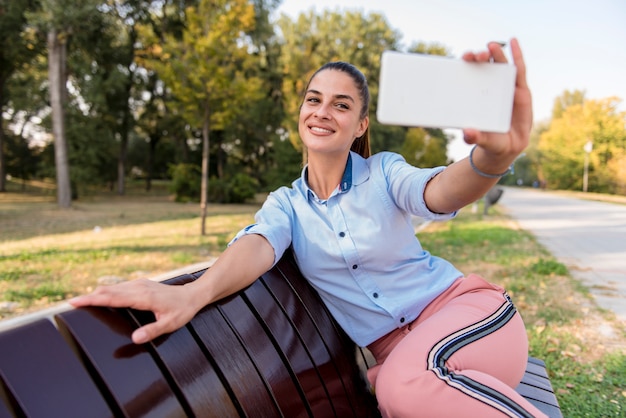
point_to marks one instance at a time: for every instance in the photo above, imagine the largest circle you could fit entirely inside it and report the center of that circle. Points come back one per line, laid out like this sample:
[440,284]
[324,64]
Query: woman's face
[330,114]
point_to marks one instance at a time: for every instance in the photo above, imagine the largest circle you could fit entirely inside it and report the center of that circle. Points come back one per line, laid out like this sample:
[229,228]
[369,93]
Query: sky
[567,44]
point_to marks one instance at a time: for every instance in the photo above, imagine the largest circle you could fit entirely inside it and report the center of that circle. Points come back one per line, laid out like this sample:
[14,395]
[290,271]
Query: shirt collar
[355,173]
[346,180]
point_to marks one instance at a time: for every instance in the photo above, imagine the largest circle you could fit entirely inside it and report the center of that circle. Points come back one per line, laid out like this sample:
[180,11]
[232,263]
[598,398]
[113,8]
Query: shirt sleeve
[407,184]
[273,221]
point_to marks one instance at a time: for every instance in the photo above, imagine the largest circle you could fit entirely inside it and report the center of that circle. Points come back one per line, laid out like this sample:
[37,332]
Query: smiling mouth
[320,130]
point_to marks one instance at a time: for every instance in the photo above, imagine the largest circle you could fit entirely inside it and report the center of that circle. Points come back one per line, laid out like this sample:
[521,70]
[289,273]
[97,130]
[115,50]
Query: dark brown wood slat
[265,355]
[233,362]
[180,357]
[301,332]
[126,372]
[4,408]
[44,376]
[289,344]
[183,278]
[335,342]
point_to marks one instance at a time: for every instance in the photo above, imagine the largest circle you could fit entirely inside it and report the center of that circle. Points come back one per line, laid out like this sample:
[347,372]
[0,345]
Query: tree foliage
[562,145]
[151,84]
[19,50]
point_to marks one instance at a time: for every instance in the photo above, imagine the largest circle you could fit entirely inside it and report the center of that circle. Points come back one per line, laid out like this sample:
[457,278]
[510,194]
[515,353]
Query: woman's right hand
[172,305]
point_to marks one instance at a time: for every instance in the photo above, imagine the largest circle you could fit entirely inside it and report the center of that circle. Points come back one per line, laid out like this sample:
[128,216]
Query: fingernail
[139,336]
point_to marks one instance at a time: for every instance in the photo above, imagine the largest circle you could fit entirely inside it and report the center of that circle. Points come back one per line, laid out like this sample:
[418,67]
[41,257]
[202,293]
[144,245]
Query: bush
[219,191]
[186,184]
[242,188]
[186,180]
[238,189]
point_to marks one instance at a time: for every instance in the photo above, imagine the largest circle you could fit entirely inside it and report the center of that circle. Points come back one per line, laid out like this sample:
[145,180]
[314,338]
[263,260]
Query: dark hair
[361,145]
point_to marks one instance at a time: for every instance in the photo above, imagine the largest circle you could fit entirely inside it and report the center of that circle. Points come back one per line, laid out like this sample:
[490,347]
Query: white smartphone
[441,92]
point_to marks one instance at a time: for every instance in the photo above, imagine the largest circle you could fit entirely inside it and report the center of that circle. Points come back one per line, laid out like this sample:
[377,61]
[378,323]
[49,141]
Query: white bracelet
[483,174]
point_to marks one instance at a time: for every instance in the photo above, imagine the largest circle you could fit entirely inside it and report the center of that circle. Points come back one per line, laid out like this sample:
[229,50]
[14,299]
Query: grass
[47,255]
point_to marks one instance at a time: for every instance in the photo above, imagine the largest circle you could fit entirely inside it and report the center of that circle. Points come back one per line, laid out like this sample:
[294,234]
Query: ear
[363,124]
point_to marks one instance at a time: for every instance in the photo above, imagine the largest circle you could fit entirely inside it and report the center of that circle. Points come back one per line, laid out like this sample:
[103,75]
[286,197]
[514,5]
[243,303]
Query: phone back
[441,92]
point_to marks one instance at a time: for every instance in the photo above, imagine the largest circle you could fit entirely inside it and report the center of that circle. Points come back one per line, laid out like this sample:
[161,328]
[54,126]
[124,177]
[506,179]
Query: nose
[322,111]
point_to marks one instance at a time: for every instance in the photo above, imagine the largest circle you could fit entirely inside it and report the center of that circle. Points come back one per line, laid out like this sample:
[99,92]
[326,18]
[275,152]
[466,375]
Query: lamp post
[588,147]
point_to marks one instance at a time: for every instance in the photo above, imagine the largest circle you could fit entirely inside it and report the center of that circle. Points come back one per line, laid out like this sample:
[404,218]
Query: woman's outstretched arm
[173,306]
[460,183]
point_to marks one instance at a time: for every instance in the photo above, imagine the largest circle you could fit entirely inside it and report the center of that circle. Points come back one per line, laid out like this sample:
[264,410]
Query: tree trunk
[3,175]
[127,118]
[121,165]
[57,55]
[154,139]
[204,192]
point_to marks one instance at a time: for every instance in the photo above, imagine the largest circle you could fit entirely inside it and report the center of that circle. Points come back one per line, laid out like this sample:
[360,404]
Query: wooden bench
[272,350]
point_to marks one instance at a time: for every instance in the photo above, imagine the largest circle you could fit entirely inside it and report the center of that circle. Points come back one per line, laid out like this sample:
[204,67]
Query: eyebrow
[336,96]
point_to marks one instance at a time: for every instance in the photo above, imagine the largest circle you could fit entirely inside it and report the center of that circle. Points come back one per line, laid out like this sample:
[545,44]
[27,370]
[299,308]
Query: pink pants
[462,357]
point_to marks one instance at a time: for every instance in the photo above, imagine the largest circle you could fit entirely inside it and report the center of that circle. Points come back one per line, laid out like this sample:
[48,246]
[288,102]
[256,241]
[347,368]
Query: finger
[116,296]
[471,136]
[469,57]
[518,60]
[141,335]
[496,51]
[164,324]
[481,56]
[147,333]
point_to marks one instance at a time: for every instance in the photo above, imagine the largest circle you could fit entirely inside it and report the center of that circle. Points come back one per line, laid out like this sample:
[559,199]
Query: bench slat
[536,387]
[233,361]
[32,359]
[265,355]
[322,330]
[310,378]
[4,409]
[180,357]
[126,372]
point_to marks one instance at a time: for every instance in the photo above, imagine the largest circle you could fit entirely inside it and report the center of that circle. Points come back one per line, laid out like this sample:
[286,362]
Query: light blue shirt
[358,248]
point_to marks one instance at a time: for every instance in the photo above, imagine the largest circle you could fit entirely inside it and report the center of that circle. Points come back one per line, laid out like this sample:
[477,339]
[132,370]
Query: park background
[96,93]
[119,117]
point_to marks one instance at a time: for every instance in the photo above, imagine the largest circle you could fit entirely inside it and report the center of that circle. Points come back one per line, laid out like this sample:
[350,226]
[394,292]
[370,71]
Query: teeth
[321,130]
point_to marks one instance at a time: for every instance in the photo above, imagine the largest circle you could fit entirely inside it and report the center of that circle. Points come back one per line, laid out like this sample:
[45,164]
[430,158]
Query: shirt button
[342,234]
[375,295]
[354,267]
[402,320]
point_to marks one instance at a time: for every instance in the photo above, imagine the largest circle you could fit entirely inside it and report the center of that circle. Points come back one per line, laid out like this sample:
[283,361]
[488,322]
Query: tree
[562,146]
[250,144]
[567,99]
[16,49]
[61,20]
[155,109]
[425,147]
[206,70]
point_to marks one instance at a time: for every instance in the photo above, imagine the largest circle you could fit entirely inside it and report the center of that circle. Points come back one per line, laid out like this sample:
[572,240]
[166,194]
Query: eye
[312,99]
[343,106]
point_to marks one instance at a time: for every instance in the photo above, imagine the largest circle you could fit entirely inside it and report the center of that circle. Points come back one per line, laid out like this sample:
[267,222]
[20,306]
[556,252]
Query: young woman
[445,344]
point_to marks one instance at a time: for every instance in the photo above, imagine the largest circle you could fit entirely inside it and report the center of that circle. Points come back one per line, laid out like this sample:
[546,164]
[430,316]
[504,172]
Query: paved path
[588,237]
